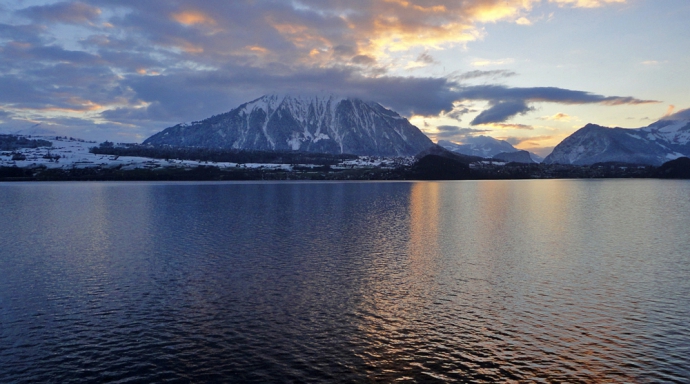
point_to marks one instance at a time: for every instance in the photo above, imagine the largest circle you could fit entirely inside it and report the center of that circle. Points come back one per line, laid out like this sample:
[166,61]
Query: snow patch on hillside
[68,153]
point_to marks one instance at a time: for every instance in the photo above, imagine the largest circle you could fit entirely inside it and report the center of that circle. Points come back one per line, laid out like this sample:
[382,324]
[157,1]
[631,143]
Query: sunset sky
[528,71]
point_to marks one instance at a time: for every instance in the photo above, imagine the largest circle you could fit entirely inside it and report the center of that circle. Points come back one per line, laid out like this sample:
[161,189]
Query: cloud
[669,111]
[451,129]
[198,95]
[560,116]
[458,111]
[683,114]
[586,3]
[532,140]
[495,74]
[454,133]
[502,111]
[506,102]
[63,12]
[4,115]
[512,126]
[486,63]
[545,94]
[193,18]
[22,33]
[210,56]
[523,21]
[425,58]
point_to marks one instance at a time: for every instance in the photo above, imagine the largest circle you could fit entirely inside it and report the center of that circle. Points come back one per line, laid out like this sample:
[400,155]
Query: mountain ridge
[664,140]
[485,147]
[325,124]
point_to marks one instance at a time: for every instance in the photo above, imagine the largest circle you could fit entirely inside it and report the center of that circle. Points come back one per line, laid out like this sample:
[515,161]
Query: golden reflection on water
[424,226]
[519,234]
[527,278]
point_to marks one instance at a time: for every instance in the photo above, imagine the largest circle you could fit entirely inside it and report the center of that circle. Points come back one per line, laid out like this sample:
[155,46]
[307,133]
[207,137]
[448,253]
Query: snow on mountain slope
[67,153]
[673,132]
[653,145]
[302,123]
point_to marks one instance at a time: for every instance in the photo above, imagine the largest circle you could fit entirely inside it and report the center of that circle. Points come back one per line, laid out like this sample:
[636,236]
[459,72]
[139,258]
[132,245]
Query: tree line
[14,142]
[218,155]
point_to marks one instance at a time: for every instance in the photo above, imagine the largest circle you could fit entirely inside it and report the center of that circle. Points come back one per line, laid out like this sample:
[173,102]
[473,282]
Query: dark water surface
[345,282]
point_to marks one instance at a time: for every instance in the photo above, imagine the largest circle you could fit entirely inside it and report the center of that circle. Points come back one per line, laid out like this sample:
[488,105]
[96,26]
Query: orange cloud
[144,71]
[384,29]
[257,49]
[192,18]
[407,4]
[79,106]
[492,11]
[534,143]
[558,117]
[669,111]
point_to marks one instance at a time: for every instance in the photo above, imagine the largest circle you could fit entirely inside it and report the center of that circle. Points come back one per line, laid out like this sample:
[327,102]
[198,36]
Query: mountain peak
[655,144]
[323,123]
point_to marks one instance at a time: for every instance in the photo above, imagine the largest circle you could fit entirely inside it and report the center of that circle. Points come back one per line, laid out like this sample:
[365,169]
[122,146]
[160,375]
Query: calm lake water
[484,281]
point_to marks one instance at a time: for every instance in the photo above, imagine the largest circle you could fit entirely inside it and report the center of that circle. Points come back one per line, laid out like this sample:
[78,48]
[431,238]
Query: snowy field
[74,153]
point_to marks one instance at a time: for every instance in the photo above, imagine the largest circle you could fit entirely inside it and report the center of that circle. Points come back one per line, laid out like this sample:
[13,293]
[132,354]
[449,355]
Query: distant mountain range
[331,124]
[339,125]
[664,140]
[487,147]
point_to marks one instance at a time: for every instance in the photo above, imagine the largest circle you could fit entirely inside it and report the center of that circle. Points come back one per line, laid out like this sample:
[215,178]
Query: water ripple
[545,281]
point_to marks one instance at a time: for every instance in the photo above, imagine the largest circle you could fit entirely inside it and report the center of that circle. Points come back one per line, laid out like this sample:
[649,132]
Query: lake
[483,281]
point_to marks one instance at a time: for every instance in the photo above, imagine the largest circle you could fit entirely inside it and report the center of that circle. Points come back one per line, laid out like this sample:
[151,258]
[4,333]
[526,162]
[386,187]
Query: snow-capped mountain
[655,144]
[483,146]
[303,123]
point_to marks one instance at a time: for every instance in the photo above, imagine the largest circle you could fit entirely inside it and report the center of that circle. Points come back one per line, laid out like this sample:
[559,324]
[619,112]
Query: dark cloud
[363,60]
[501,111]
[507,102]
[22,33]
[499,73]
[544,94]
[514,140]
[425,58]
[459,111]
[345,50]
[149,64]
[63,12]
[453,132]
[190,96]
[50,53]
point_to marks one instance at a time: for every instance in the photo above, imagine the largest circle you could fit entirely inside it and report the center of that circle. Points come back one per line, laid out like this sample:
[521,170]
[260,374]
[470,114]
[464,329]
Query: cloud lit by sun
[472,64]
[193,18]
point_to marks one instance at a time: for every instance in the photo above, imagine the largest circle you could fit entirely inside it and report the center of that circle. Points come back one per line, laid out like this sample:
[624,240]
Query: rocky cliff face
[303,123]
